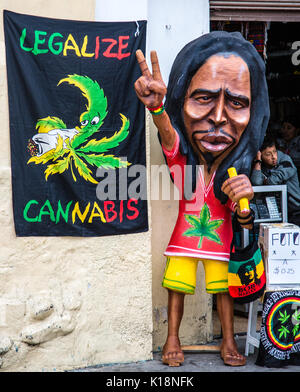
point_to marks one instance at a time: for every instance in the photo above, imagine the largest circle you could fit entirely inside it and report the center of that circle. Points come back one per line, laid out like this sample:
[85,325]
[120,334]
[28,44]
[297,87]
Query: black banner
[280,329]
[77,129]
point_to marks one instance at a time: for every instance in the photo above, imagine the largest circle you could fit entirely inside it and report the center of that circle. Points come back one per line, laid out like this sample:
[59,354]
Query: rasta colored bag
[246,273]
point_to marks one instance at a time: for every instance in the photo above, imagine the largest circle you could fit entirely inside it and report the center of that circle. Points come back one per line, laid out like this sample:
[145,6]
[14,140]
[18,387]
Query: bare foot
[172,354]
[230,354]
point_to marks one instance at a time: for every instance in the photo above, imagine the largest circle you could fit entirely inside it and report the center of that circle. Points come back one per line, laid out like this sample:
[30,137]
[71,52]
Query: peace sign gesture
[150,88]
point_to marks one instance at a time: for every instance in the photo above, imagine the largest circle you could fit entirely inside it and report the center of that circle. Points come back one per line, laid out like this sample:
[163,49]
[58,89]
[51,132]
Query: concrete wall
[67,302]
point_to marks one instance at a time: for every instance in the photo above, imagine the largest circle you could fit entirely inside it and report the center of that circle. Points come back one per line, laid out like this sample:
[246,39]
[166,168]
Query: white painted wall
[120,10]
[172,24]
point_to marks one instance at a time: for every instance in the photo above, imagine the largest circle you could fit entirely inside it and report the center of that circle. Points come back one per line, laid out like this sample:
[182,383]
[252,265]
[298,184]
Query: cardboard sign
[279,241]
[280,246]
[283,271]
[283,243]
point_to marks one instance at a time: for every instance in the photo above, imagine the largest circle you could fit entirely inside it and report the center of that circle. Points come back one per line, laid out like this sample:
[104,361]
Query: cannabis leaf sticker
[203,227]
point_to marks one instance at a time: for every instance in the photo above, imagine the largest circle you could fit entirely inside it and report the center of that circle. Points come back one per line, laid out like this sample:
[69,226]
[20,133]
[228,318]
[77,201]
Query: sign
[280,245]
[282,242]
[283,271]
[77,129]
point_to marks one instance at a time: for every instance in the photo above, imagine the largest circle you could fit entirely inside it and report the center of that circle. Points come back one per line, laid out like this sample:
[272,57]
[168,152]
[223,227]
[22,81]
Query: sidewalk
[194,362]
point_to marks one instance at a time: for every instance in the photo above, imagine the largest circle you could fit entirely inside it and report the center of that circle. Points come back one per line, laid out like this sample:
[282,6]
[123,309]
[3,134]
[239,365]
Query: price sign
[283,271]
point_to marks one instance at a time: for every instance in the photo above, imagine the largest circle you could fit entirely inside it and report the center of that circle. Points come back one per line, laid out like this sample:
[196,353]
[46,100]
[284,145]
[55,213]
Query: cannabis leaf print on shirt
[202,226]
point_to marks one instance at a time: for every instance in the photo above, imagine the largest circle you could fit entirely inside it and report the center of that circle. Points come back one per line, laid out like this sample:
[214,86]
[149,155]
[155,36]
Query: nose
[218,115]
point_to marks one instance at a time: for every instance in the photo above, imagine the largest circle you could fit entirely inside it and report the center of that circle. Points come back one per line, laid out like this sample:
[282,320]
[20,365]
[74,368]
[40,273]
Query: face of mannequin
[216,109]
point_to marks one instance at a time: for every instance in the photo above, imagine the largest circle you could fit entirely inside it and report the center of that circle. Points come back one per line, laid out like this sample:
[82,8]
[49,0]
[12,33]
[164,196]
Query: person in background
[289,142]
[273,167]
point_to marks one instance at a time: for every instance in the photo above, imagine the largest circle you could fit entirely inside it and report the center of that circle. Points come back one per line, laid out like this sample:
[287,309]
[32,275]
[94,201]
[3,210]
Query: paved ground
[194,362]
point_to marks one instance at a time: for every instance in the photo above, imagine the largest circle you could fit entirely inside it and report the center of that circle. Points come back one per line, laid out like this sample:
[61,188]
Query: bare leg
[172,353]
[229,351]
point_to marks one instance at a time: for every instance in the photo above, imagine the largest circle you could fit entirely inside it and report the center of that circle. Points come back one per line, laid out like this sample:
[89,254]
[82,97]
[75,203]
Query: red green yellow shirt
[203,228]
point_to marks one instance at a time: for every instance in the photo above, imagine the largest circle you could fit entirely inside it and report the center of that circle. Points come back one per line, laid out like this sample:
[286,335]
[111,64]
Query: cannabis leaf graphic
[296,316]
[283,331]
[63,149]
[203,227]
[295,330]
[284,317]
[296,321]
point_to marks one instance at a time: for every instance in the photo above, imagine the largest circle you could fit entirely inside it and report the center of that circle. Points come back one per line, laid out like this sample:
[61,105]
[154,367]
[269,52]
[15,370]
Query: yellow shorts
[180,275]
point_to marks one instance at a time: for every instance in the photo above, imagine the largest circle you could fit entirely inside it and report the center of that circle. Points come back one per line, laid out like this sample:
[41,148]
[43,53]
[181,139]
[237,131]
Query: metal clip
[137,33]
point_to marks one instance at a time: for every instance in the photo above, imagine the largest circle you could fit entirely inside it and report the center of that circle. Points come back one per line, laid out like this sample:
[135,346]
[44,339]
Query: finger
[141,87]
[142,63]
[238,194]
[227,184]
[236,190]
[158,87]
[232,181]
[155,66]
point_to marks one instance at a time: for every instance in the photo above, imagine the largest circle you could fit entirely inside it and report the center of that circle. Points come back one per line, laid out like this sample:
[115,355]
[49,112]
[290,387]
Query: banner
[77,129]
[280,329]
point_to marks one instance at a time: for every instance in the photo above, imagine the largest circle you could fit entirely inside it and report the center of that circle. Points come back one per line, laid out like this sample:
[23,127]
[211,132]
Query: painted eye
[84,123]
[95,120]
[203,99]
[236,104]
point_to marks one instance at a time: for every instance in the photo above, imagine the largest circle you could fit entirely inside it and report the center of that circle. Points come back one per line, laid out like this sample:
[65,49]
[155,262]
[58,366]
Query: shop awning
[250,10]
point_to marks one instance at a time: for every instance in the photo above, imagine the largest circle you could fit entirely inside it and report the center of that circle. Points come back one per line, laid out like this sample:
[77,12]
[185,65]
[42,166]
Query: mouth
[40,143]
[32,148]
[214,143]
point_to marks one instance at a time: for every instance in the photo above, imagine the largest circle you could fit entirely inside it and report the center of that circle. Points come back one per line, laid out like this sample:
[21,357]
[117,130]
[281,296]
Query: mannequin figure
[214,117]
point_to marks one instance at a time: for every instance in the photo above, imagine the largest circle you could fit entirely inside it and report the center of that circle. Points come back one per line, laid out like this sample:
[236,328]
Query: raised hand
[258,156]
[150,88]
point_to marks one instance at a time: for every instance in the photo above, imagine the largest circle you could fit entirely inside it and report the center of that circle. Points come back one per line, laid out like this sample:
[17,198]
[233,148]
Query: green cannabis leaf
[295,330]
[296,316]
[202,226]
[296,321]
[284,317]
[283,331]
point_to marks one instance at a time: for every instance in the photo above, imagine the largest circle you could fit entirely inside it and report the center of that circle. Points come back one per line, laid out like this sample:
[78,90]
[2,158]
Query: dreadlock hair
[186,64]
